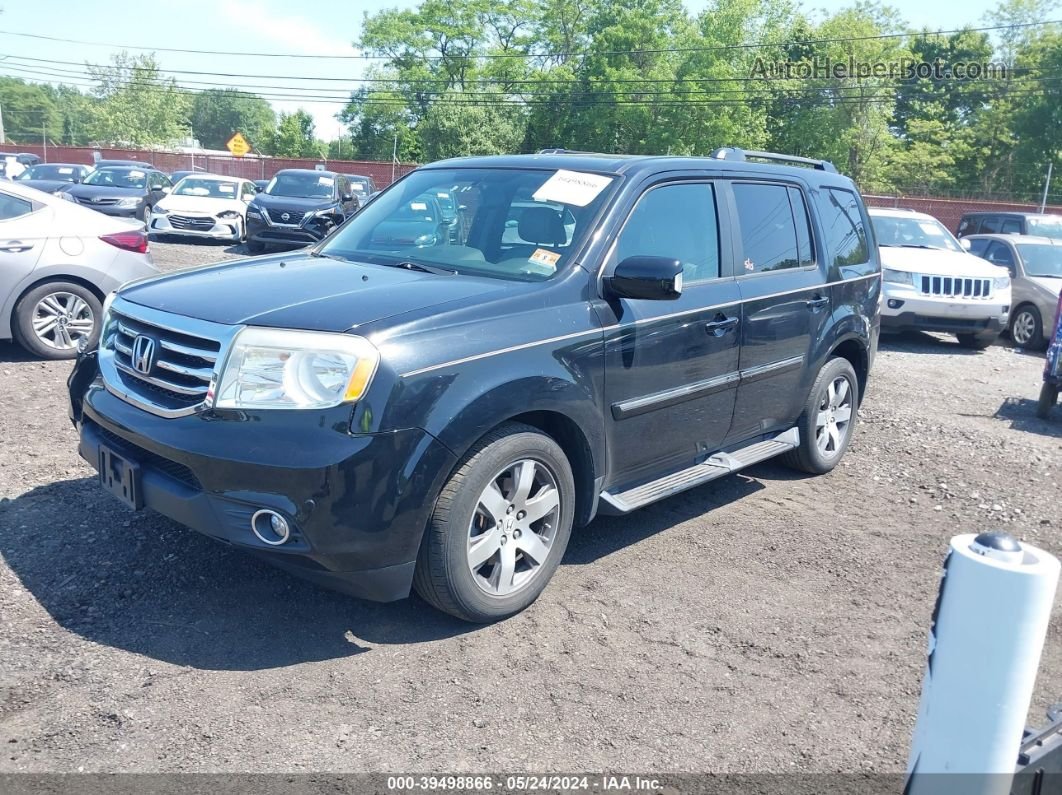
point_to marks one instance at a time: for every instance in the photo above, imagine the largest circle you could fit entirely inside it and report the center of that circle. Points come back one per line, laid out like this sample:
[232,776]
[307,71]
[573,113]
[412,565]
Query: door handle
[15,247]
[818,302]
[717,328]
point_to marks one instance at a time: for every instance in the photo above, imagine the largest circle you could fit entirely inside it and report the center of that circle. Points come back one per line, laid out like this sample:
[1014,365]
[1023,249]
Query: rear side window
[772,238]
[676,221]
[13,207]
[977,247]
[990,225]
[1011,226]
[842,223]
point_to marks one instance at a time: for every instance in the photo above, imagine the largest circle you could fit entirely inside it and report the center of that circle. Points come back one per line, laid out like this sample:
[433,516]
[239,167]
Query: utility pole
[44,139]
[394,158]
[3,137]
[1047,184]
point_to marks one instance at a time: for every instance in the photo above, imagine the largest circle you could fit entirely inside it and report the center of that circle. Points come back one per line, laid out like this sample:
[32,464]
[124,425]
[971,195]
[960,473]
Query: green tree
[457,126]
[135,104]
[295,136]
[218,113]
[30,110]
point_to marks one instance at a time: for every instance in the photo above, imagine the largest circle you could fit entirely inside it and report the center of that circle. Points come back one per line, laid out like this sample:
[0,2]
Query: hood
[291,203]
[938,261]
[1053,286]
[201,204]
[46,185]
[300,291]
[90,191]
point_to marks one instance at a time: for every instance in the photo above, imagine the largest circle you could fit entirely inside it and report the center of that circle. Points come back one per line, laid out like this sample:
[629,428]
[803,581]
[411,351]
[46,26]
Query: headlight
[1001,283]
[229,214]
[286,369]
[157,210]
[897,277]
[129,201]
[254,212]
[425,240]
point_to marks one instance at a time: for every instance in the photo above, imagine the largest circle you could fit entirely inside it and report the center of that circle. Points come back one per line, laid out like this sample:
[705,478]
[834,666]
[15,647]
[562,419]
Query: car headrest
[542,225]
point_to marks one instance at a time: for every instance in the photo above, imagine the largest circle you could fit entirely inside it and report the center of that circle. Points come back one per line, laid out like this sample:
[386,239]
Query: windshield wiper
[409,265]
[323,255]
[915,245]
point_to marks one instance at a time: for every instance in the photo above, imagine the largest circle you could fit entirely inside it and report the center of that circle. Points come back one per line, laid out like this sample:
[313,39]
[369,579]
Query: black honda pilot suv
[433,398]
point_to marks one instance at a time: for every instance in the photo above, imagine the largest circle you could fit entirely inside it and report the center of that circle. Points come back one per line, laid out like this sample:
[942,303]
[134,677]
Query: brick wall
[950,211]
[247,167]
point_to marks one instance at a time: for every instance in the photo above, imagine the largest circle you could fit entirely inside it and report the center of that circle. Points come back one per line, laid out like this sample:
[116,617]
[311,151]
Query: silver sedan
[1035,265]
[58,261]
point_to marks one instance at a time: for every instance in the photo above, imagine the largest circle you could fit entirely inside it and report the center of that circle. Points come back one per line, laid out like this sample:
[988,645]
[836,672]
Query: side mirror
[348,197]
[166,189]
[965,243]
[649,278]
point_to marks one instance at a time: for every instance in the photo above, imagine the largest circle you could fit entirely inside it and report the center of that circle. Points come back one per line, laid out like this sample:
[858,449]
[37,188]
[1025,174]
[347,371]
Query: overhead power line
[363,57]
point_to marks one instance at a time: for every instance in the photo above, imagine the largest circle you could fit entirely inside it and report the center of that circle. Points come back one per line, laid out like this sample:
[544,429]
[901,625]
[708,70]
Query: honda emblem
[143,356]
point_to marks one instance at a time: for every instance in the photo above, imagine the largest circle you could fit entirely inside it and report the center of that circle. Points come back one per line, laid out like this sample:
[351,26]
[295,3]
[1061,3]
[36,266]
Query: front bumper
[905,308]
[311,231]
[223,229]
[357,503]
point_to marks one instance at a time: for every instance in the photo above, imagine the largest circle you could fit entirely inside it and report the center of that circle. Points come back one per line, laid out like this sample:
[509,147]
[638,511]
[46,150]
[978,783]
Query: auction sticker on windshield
[572,187]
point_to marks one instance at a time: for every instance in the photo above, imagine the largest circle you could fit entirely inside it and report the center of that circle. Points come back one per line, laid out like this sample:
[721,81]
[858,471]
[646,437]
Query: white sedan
[205,205]
[58,262]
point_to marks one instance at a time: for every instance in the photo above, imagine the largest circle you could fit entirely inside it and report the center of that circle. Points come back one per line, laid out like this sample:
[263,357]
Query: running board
[716,466]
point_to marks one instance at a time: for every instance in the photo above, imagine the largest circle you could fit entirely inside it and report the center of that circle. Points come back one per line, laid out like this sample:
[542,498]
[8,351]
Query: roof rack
[562,151]
[733,153]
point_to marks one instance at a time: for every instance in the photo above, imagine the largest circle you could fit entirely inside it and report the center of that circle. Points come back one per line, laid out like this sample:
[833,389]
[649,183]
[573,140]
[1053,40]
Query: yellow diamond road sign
[238,145]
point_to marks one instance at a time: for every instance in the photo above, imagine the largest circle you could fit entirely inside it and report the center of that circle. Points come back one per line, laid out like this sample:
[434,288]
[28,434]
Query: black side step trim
[716,466]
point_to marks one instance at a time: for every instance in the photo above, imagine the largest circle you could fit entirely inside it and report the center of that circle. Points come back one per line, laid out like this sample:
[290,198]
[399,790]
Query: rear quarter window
[842,225]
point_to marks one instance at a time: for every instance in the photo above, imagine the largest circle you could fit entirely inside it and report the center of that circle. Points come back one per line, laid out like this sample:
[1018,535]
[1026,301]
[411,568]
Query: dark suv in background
[297,207]
[1011,223]
[437,410]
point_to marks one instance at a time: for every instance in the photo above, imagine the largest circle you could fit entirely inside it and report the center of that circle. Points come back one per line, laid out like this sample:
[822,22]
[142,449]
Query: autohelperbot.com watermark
[826,68]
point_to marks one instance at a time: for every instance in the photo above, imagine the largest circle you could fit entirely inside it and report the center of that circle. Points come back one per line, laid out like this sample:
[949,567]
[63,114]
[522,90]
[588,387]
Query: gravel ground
[766,622]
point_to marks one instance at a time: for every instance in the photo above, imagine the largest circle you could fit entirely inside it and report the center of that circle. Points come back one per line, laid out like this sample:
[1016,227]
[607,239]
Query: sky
[264,26]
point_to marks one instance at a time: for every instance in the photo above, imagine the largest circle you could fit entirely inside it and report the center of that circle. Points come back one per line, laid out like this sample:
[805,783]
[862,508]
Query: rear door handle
[717,328]
[818,302]
[15,247]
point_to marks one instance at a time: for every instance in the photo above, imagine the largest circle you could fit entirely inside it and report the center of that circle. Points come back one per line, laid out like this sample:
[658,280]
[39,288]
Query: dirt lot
[767,622]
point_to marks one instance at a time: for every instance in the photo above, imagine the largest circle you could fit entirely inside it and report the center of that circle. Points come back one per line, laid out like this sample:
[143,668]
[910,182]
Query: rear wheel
[1027,327]
[828,419]
[1047,401]
[500,527]
[976,342]
[52,318]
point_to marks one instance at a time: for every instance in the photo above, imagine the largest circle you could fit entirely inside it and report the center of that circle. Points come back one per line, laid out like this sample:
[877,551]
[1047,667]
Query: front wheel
[1047,401]
[500,526]
[976,342]
[828,419]
[1027,328]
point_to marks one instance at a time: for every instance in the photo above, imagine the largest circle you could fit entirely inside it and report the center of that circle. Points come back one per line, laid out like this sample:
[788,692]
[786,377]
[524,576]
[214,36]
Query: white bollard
[988,630]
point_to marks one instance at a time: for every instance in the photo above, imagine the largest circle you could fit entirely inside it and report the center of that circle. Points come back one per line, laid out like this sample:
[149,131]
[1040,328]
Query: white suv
[931,283]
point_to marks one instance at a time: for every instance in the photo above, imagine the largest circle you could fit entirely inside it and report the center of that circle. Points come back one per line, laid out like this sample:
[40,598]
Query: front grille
[294,217]
[97,201]
[197,223]
[146,458]
[178,374]
[954,287]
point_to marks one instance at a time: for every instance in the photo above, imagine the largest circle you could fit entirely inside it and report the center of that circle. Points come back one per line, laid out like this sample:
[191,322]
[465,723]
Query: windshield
[56,172]
[212,188]
[117,178]
[302,186]
[1041,259]
[914,231]
[1046,226]
[517,224]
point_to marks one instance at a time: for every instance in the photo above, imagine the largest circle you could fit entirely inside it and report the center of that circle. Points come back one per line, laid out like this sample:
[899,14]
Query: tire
[145,214]
[822,406]
[497,576]
[1047,401]
[55,301]
[976,342]
[1027,327]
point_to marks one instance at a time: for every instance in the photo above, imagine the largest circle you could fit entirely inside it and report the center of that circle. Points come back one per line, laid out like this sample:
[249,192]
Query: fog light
[895,303]
[270,527]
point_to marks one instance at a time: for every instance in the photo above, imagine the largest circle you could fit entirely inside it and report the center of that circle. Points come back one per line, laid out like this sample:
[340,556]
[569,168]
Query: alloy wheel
[834,417]
[513,527]
[61,319]
[1023,327]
